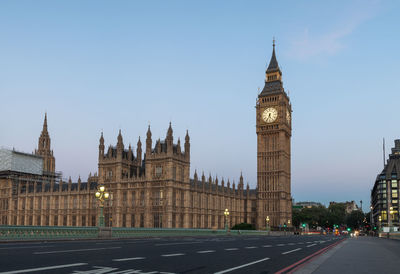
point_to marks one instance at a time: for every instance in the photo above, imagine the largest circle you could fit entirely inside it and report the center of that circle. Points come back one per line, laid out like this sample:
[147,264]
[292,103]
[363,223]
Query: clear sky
[110,65]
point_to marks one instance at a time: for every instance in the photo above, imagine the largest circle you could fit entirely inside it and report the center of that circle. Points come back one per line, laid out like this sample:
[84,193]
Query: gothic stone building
[153,188]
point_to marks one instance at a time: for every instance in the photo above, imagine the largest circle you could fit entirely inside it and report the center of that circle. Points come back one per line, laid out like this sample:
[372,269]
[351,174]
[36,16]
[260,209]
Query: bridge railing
[46,232]
[64,232]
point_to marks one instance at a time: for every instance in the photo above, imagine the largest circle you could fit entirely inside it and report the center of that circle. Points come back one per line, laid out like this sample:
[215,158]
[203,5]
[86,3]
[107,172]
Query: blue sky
[110,65]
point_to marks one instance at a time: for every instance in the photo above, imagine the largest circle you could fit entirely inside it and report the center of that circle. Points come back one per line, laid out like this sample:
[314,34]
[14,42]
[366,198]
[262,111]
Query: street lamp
[390,218]
[380,222]
[267,220]
[226,213]
[102,195]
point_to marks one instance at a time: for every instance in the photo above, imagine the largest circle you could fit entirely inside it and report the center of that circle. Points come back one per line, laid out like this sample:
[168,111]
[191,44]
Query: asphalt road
[223,254]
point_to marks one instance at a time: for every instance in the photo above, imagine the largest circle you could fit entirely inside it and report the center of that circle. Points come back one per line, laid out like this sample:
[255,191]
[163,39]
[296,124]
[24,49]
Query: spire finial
[273,41]
[45,122]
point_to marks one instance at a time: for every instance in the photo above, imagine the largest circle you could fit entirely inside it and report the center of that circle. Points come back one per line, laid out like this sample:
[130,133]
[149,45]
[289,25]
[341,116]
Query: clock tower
[274,130]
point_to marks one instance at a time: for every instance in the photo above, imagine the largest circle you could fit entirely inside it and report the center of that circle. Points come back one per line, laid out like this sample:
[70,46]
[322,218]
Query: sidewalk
[357,255]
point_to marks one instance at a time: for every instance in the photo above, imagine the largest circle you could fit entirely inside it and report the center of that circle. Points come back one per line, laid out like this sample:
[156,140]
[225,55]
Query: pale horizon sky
[107,65]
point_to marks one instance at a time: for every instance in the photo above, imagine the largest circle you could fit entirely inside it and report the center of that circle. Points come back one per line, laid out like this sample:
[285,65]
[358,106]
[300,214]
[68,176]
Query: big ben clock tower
[274,130]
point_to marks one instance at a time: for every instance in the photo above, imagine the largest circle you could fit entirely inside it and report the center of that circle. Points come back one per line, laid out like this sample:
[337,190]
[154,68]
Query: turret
[130,154]
[203,181]
[139,152]
[148,142]
[187,145]
[169,140]
[79,183]
[101,146]
[120,145]
[178,147]
[69,184]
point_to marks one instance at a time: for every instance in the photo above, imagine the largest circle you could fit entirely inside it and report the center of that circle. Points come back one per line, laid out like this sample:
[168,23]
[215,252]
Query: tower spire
[45,122]
[273,63]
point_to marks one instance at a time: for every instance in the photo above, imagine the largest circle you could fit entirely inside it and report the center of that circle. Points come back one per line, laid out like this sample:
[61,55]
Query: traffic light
[284,225]
[304,225]
[374,227]
[348,229]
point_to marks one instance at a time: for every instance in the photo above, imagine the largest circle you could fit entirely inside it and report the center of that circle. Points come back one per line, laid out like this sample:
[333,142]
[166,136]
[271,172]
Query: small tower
[169,140]
[187,145]
[120,145]
[101,147]
[148,142]
[44,149]
[139,152]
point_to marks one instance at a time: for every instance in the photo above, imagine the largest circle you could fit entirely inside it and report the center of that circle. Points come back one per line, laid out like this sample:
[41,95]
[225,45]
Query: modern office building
[385,193]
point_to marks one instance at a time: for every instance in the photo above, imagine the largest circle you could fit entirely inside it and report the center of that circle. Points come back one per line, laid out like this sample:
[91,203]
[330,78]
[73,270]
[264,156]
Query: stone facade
[153,188]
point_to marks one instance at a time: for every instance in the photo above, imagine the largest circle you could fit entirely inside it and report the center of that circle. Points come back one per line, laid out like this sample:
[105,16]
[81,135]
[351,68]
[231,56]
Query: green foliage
[314,216]
[243,226]
[355,219]
[334,215]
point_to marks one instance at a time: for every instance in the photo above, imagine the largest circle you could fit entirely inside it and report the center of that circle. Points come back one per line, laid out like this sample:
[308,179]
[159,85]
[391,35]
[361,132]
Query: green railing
[46,232]
[118,232]
[64,232]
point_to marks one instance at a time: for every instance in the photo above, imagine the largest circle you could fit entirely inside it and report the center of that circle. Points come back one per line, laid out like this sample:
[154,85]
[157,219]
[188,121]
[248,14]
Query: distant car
[361,234]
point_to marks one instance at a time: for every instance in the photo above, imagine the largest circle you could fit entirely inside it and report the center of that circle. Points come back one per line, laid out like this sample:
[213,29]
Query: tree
[355,219]
[337,214]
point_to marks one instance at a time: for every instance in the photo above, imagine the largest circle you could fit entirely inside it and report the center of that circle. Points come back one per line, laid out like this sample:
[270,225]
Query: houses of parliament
[150,186]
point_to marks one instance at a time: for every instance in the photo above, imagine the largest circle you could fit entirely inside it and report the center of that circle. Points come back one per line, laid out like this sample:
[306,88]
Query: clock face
[269,115]
[288,116]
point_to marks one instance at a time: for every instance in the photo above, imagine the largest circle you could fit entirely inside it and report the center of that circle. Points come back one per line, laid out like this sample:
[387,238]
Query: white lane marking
[184,243]
[301,243]
[129,259]
[280,244]
[311,245]
[205,251]
[321,242]
[229,249]
[290,243]
[75,250]
[267,245]
[43,268]
[241,266]
[290,251]
[308,242]
[173,255]
[38,246]
[250,247]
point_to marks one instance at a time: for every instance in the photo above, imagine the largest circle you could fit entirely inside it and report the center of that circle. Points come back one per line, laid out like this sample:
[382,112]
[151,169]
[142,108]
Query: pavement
[211,254]
[357,255]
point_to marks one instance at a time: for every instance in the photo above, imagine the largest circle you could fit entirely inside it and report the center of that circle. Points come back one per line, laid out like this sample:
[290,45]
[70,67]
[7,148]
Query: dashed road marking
[280,244]
[290,243]
[173,255]
[184,243]
[250,247]
[241,266]
[43,268]
[267,245]
[205,251]
[230,249]
[75,250]
[290,251]
[311,245]
[129,259]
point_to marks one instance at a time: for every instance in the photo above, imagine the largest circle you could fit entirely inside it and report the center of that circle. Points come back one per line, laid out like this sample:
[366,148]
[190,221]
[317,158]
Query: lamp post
[226,213]
[102,195]
[267,220]
[380,221]
[390,219]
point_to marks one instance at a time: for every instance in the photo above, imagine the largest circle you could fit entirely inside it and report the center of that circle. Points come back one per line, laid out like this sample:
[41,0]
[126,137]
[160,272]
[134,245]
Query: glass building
[385,193]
